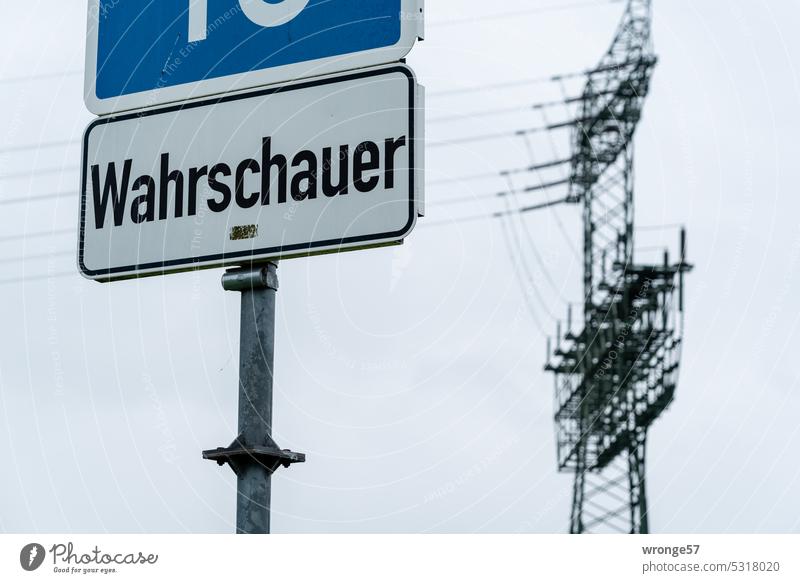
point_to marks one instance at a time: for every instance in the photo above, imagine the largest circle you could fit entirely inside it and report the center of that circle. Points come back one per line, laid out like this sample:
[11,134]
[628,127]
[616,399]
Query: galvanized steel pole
[256,366]
[254,456]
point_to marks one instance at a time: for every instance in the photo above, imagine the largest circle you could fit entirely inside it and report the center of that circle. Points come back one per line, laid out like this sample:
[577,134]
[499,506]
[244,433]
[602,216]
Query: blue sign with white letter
[145,53]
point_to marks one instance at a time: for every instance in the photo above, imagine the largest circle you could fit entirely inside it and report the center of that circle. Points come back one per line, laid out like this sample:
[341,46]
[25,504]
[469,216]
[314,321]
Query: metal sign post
[254,456]
[237,133]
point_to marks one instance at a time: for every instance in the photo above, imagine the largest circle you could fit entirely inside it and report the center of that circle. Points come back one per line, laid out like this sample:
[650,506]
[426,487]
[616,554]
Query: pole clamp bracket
[238,454]
[263,276]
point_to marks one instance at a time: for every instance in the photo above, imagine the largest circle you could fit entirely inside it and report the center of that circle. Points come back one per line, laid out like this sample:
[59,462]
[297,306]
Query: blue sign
[144,53]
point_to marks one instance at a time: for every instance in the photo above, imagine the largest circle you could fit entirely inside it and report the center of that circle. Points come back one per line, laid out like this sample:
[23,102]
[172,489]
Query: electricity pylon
[618,372]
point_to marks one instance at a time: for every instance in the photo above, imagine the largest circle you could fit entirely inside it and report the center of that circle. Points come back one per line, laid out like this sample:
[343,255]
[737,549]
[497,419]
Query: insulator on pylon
[603,266]
[680,273]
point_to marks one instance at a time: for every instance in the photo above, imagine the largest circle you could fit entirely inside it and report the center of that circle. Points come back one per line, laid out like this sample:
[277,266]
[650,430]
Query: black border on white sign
[248,257]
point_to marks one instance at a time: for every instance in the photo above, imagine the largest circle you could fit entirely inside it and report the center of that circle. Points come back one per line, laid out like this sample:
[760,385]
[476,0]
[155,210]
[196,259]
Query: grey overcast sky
[412,377]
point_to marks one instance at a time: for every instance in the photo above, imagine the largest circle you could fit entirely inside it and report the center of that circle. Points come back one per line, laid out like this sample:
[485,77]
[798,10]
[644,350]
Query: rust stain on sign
[242,232]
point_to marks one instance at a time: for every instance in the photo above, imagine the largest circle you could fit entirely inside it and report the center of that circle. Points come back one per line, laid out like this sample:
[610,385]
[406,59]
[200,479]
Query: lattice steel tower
[617,373]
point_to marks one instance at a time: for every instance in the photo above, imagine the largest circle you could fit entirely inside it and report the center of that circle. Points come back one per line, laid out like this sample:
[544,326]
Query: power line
[67,194]
[75,141]
[39,146]
[516,109]
[61,253]
[503,135]
[500,173]
[500,194]
[535,106]
[36,256]
[434,24]
[535,167]
[526,12]
[38,76]
[501,85]
[457,179]
[477,114]
[532,168]
[510,225]
[495,215]
[529,238]
[50,170]
[664,227]
[57,143]
[36,235]
[529,81]
[518,276]
[56,275]
[49,196]
[555,153]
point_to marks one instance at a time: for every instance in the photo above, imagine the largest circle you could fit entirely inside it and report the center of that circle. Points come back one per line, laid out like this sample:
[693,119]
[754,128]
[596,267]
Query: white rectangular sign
[324,165]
